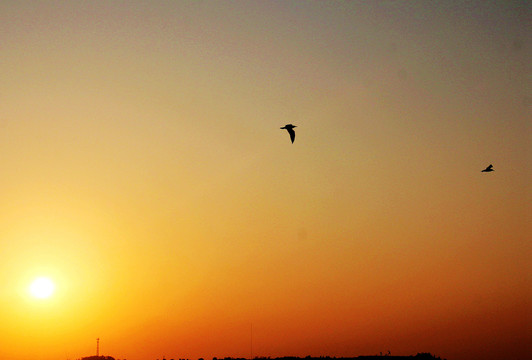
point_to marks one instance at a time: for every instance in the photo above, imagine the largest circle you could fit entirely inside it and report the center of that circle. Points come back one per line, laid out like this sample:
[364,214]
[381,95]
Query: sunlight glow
[42,288]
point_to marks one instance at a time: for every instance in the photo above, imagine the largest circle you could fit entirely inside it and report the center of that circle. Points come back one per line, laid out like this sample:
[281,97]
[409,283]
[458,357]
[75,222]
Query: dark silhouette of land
[381,356]
[290,129]
[96,357]
[388,356]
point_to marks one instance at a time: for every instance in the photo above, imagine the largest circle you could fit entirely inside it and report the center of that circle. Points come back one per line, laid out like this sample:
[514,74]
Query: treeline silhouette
[381,356]
[388,356]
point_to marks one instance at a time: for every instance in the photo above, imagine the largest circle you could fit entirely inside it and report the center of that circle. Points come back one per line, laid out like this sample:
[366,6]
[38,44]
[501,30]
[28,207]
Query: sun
[42,288]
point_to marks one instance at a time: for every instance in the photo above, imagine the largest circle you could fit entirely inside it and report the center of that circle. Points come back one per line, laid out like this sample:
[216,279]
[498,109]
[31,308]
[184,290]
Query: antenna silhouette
[98,347]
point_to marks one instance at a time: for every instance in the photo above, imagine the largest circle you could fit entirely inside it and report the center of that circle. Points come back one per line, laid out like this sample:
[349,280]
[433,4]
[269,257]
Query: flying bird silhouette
[290,129]
[488,169]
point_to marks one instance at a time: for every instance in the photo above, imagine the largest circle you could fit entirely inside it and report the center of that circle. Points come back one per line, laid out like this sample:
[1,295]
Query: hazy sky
[144,171]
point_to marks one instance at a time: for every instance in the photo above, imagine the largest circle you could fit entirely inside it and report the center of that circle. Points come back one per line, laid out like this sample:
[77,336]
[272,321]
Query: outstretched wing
[292,134]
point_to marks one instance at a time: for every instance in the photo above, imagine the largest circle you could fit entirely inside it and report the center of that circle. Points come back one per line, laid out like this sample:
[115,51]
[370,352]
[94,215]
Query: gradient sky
[142,168]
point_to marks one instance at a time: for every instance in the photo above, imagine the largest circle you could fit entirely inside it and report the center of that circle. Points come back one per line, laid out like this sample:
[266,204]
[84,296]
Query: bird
[488,169]
[290,129]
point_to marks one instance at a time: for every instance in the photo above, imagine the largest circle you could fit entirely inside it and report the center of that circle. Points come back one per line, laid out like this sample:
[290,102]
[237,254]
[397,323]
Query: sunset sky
[144,172]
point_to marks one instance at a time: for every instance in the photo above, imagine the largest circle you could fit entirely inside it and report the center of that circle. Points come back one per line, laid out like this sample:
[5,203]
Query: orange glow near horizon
[144,172]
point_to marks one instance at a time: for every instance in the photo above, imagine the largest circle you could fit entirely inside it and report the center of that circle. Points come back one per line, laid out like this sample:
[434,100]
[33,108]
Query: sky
[144,171]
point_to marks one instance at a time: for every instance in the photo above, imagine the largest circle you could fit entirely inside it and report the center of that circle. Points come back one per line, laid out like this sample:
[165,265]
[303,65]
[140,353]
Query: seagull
[488,169]
[290,129]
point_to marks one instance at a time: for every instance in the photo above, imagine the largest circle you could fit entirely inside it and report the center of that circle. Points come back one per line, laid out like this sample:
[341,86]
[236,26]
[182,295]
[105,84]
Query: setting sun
[42,288]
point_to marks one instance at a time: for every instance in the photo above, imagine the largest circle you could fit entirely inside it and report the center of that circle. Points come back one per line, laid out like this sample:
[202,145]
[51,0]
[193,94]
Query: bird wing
[292,134]
[489,167]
